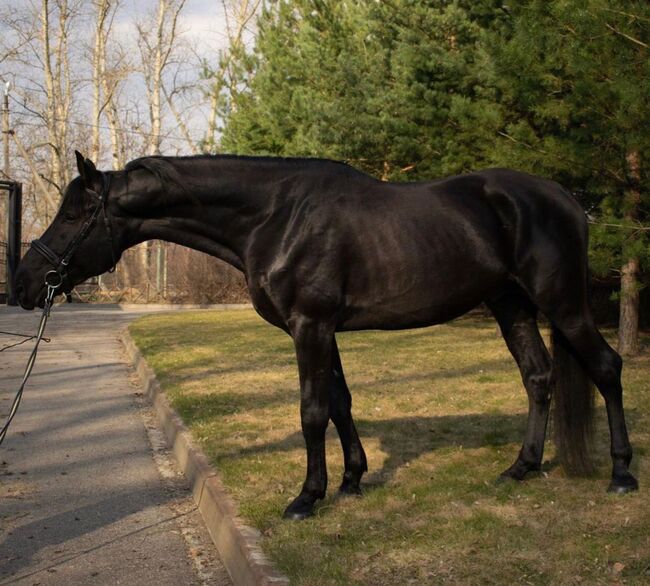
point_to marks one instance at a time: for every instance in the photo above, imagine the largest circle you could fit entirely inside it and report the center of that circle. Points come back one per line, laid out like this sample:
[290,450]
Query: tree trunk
[181,123]
[156,81]
[51,116]
[628,323]
[628,326]
[98,67]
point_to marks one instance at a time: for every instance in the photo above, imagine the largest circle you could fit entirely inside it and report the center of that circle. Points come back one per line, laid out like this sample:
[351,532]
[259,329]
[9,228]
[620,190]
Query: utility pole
[5,128]
[4,206]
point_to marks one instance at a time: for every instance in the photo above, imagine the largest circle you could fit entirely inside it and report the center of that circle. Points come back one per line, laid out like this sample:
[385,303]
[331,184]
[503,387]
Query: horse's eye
[69,217]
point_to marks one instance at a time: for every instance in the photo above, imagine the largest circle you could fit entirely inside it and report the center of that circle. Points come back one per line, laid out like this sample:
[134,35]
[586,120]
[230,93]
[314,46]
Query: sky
[203,26]
[202,19]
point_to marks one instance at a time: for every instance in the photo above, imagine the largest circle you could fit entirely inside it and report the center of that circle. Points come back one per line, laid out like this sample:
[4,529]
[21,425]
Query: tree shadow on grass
[201,408]
[404,439]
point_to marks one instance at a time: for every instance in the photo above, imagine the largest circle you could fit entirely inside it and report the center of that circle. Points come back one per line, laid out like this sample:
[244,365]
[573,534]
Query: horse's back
[396,255]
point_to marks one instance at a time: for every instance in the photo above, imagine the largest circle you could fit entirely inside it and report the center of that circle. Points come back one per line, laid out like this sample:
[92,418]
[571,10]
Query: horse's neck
[228,199]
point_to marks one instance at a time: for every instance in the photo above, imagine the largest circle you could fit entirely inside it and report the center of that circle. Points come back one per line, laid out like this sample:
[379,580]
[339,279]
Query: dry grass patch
[441,411]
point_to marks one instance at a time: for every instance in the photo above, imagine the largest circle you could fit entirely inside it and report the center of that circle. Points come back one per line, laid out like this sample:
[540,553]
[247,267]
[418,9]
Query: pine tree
[417,89]
[574,93]
[380,84]
[317,70]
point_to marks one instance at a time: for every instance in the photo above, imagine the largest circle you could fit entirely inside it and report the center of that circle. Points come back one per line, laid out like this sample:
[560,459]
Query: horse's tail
[573,408]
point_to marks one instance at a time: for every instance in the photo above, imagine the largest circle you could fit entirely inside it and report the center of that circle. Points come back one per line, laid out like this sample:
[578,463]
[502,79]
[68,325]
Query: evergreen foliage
[574,88]
[380,84]
[418,89]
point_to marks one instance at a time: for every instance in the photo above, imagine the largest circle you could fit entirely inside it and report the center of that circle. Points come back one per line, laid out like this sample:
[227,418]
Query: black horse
[326,248]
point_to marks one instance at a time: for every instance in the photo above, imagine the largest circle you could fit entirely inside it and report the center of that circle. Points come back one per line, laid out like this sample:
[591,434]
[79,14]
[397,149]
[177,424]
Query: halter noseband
[55,277]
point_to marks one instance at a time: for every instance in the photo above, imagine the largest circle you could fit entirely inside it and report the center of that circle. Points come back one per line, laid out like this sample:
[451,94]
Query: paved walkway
[84,496]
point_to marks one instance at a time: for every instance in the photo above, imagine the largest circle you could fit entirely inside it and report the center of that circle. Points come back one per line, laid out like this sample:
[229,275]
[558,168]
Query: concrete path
[85,498]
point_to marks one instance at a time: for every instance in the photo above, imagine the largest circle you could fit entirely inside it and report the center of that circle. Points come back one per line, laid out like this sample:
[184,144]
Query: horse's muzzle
[28,293]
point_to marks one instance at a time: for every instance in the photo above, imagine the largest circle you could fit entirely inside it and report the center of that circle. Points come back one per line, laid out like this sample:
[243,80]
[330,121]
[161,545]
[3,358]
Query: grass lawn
[441,411]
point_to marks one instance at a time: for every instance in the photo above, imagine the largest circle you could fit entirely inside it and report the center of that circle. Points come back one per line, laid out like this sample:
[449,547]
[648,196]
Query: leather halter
[60,262]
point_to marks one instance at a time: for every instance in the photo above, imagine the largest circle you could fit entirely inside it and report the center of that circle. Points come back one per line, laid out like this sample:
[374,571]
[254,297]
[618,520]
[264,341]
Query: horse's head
[82,241]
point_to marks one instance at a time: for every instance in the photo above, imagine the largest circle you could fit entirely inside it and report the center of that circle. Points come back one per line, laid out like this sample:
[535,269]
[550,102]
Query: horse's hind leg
[604,366]
[340,413]
[516,316]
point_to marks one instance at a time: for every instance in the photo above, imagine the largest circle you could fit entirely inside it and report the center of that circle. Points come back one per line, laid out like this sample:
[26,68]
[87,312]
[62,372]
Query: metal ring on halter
[53,285]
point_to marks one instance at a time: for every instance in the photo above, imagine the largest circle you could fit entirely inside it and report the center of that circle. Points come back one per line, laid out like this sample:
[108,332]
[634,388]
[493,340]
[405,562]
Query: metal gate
[11,249]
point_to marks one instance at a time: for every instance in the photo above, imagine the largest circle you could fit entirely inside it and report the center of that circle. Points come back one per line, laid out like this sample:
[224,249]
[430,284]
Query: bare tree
[39,58]
[79,84]
[157,44]
[157,41]
[182,125]
[238,16]
[102,22]
[110,69]
[58,82]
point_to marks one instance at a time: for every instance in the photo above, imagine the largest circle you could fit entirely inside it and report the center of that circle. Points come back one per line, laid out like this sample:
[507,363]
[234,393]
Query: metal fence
[159,272]
[168,273]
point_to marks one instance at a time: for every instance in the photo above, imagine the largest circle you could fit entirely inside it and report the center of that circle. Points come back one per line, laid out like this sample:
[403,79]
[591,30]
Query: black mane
[164,167]
[174,176]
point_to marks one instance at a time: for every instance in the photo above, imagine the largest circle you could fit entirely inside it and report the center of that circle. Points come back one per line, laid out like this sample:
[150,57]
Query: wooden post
[13,240]
[6,131]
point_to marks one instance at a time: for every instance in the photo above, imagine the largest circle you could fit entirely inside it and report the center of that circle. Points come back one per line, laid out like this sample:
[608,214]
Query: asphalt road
[88,494]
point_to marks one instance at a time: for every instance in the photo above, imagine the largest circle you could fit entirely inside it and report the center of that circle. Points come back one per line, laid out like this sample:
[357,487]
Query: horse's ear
[80,162]
[87,171]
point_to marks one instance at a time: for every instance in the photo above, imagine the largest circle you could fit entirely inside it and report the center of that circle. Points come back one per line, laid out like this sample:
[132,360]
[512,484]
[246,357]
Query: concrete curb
[177,306]
[237,543]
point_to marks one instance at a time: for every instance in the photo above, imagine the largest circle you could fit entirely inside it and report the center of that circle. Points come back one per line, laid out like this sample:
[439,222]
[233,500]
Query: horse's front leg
[313,340]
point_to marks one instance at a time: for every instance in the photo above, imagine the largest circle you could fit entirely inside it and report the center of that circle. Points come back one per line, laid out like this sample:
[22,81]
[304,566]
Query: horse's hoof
[506,479]
[623,485]
[301,508]
[515,473]
[518,471]
[297,515]
[347,489]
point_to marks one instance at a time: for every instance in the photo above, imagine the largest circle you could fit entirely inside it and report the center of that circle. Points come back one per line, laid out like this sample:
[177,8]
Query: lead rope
[25,337]
[32,358]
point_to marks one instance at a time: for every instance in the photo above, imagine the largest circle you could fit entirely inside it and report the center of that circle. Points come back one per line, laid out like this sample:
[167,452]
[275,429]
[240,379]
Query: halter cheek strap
[54,278]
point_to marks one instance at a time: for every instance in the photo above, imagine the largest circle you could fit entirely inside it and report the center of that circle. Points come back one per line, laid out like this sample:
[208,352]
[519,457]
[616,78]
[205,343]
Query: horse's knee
[314,420]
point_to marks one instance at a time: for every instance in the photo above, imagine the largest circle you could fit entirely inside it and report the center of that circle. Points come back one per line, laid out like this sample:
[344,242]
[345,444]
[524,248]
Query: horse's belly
[419,302]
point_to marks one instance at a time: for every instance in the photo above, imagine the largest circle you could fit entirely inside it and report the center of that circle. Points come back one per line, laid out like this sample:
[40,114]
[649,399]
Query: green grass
[441,411]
